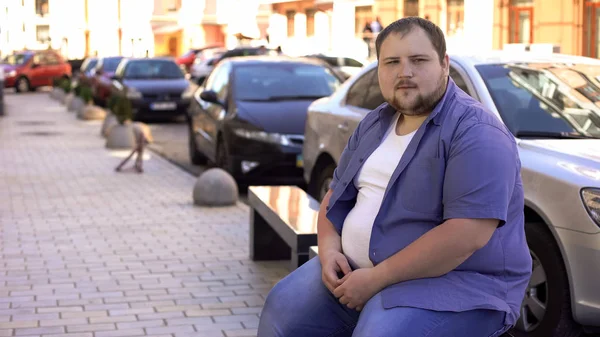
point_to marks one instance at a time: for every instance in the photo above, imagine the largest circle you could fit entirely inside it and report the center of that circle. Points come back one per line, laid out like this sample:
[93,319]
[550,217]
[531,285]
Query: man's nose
[405,69]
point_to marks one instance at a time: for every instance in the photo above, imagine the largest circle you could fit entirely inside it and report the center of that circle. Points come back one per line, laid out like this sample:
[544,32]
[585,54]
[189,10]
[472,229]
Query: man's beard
[422,105]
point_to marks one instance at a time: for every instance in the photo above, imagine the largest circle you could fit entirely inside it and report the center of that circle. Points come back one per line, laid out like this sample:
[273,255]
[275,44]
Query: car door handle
[343,126]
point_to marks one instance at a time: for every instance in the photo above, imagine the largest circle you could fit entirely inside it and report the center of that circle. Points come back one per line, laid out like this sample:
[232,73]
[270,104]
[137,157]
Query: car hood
[158,85]
[7,67]
[583,154]
[285,117]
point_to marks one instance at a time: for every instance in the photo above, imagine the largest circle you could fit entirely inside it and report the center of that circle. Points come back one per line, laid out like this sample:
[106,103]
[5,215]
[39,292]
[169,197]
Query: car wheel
[196,157]
[320,186]
[22,85]
[546,308]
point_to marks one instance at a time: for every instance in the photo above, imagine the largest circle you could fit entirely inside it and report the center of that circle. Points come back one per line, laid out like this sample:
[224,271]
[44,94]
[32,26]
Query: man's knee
[287,300]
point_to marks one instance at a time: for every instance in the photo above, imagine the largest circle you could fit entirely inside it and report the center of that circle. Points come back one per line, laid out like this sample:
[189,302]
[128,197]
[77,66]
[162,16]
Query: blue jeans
[300,305]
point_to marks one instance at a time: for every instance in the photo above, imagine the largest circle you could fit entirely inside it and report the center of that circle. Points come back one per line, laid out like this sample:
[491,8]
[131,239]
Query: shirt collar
[387,111]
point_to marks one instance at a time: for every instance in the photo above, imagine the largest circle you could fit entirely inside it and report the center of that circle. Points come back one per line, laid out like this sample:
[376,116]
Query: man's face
[411,77]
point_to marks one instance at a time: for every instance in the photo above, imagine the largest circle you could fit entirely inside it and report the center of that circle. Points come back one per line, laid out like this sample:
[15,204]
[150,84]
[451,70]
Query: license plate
[299,161]
[163,106]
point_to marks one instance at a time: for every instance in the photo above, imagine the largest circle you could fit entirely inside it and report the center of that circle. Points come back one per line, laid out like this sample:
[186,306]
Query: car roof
[258,59]
[500,56]
[158,58]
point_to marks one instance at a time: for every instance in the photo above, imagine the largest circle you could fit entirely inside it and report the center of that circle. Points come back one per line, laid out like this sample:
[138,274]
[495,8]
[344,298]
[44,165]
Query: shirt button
[345,183]
[361,160]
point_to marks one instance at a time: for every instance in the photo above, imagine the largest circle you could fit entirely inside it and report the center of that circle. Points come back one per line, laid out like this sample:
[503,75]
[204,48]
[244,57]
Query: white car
[551,104]
[204,64]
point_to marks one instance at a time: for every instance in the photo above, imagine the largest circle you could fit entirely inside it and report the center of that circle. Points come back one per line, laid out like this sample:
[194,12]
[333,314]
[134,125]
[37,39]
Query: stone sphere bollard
[215,187]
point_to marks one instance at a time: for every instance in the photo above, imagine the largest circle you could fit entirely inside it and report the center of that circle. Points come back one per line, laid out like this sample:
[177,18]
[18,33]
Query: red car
[28,70]
[186,60]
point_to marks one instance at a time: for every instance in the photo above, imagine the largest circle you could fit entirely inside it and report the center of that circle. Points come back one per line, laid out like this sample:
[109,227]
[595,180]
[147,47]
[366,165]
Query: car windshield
[546,100]
[16,59]
[281,81]
[91,65]
[152,69]
[111,63]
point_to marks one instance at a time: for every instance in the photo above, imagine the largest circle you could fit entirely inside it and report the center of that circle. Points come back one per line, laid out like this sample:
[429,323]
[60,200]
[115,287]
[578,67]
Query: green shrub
[110,103]
[66,85]
[56,82]
[85,92]
[77,90]
[122,109]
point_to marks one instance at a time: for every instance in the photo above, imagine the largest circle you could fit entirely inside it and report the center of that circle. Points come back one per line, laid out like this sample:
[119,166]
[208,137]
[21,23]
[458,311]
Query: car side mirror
[34,65]
[211,97]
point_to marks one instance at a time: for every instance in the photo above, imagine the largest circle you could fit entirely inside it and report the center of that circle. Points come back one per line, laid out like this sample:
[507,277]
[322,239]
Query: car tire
[22,85]
[318,187]
[551,289]
[196,157]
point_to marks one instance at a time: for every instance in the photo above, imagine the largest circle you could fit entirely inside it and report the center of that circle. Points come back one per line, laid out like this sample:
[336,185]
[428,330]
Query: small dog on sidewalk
[142,138]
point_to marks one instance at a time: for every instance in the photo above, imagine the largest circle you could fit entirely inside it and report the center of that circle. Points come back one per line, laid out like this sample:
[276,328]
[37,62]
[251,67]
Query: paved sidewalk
[87,252]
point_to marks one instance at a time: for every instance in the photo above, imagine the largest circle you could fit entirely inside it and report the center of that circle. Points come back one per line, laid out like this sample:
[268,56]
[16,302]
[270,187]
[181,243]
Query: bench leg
[265,243]
[298,259]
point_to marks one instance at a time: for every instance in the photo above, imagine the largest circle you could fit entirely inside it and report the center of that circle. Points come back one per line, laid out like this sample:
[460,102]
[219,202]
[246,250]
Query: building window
[591,36]
[310,22]
[455,10]
[290,22]
[173,5]
[363,15]
[521,21]
[411,7]
[42,33]
[41,7]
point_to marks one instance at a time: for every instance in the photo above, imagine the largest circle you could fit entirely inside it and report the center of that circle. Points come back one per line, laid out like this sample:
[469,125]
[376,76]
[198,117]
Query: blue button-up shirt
[461,163]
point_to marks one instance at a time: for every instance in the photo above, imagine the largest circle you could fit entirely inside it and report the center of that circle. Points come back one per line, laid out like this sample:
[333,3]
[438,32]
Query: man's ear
[446,65]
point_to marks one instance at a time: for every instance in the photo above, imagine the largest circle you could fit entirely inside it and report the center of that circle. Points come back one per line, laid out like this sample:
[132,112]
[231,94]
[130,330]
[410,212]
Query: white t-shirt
[371,181]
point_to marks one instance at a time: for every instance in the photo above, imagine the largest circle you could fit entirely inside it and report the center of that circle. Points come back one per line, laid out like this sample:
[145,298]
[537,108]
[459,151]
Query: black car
[156,87]
[247,51]
[249,116]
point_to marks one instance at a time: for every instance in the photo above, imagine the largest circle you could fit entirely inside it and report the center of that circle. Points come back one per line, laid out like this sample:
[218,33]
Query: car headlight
[262,136]
[133,94]
[11,73]
[591,201]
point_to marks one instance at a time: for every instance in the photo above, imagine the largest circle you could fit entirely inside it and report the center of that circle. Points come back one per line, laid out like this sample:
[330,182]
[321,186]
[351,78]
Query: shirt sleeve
[345,157]
[481,172]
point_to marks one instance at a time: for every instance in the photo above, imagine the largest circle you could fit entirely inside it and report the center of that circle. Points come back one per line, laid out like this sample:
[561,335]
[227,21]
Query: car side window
[39,59]
[358,91]
[220,82]
[51,59]
[374,97]
[459,80]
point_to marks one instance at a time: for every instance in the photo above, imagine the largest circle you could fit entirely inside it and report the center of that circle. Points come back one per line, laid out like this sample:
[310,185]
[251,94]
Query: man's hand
[332,263]
[357,287]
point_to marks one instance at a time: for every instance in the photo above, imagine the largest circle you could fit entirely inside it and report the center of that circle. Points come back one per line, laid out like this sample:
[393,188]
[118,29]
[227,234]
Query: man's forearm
[327,237]
[436,253]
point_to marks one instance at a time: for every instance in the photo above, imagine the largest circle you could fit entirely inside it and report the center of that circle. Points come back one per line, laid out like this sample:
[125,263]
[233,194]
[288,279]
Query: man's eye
[392,62]
[418,60]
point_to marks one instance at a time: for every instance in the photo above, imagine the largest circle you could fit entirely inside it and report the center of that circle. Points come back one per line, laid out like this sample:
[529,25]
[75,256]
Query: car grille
[296,139]
[162,96]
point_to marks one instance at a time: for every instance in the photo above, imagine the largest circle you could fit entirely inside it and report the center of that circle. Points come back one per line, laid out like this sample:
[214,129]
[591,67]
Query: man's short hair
[406,25]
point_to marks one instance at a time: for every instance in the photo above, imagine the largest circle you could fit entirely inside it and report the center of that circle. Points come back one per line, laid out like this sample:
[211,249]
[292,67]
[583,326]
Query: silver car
[551,103]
